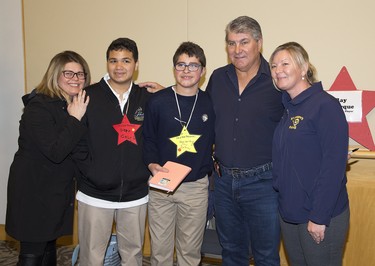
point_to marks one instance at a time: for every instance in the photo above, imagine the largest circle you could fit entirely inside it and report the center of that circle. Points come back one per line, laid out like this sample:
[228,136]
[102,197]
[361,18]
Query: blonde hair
[49,85]
[300,58]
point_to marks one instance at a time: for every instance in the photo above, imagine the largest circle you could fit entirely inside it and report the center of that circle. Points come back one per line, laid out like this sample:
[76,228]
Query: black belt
[238,172]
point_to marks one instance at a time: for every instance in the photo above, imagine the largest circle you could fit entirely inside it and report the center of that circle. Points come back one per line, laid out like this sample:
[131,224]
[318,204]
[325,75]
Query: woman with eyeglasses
[41,180]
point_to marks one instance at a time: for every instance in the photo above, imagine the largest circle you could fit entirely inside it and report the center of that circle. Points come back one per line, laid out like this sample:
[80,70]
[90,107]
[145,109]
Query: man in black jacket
[114,186]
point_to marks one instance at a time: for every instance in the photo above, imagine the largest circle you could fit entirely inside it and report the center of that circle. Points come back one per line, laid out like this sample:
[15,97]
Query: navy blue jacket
[310,151]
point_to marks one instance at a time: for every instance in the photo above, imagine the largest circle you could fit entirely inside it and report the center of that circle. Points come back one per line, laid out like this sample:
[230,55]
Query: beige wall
[335,33]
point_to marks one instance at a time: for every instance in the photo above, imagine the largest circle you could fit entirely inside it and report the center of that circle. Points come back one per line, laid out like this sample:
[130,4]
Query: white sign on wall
[351,103]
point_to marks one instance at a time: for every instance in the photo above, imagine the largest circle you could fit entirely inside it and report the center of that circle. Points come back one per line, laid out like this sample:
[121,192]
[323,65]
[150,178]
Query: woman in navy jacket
[309,158]
[41,187]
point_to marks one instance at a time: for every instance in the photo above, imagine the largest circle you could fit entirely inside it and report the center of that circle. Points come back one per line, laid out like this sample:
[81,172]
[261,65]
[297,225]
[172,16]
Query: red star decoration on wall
[360,132]
[126,131]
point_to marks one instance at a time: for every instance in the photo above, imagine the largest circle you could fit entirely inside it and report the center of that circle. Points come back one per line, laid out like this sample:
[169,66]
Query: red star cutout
[360,132]
[126,131]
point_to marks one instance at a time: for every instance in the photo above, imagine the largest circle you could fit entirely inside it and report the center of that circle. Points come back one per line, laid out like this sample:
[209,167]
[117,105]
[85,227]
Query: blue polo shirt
[244,123]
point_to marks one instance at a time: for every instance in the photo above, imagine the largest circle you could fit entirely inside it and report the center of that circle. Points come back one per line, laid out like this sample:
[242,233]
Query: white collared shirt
[125,96]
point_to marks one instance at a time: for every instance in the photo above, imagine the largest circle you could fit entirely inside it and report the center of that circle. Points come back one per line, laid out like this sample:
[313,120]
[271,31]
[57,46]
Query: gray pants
[302,249]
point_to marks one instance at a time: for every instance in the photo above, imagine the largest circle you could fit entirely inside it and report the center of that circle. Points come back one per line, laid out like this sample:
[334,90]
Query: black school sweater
[112,171]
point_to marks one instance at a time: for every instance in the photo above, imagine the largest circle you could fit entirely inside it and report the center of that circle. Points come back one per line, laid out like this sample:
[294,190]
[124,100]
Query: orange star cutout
[126,131]
[360,132]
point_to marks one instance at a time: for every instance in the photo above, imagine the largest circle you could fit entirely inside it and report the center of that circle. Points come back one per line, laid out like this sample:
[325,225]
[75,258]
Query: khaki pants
[95,229]
[178,218]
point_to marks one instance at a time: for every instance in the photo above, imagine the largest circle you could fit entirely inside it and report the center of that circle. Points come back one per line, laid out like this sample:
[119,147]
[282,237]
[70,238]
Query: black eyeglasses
[191,67]
[70,74]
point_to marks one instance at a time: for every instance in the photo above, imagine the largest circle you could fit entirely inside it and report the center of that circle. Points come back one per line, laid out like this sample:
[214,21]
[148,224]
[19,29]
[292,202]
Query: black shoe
[49,258]
[29,260]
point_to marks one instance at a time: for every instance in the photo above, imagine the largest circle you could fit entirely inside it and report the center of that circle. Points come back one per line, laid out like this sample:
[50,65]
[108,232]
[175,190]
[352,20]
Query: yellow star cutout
[185,142]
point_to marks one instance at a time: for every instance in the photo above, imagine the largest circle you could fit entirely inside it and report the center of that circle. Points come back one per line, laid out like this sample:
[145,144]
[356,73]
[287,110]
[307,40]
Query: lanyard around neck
[179,110]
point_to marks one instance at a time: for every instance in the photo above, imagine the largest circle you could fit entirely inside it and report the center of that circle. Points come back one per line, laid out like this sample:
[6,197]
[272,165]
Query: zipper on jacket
[283,127]
[282,140]
[121,170]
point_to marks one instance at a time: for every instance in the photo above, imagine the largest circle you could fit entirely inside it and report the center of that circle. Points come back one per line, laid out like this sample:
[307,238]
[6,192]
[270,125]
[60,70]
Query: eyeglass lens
[191,67]
[70,74]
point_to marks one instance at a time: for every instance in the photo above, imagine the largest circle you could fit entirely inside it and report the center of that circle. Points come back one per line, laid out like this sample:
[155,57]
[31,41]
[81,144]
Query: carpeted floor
[9,255]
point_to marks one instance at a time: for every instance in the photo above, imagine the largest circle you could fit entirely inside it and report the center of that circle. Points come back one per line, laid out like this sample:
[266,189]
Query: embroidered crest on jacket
[295,121]
[139,114]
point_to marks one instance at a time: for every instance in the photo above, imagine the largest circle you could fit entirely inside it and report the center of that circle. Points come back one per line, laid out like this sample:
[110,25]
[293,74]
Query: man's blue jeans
[246,211]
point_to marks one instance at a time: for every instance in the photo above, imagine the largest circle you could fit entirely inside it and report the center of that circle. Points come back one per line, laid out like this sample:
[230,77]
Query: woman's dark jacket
[41,180]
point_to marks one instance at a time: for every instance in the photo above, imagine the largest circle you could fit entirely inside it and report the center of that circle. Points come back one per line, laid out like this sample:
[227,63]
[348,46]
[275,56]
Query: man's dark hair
[123,44]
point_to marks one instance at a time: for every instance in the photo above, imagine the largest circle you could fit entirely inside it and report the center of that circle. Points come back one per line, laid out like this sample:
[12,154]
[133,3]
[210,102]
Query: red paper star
[126,131]
[360,132]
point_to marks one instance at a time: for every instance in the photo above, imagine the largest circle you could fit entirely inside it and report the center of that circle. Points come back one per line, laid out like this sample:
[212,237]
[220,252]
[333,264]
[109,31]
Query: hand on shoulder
[151,86]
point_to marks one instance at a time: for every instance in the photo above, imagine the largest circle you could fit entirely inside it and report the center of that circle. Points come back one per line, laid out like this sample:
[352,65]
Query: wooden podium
[360,246]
